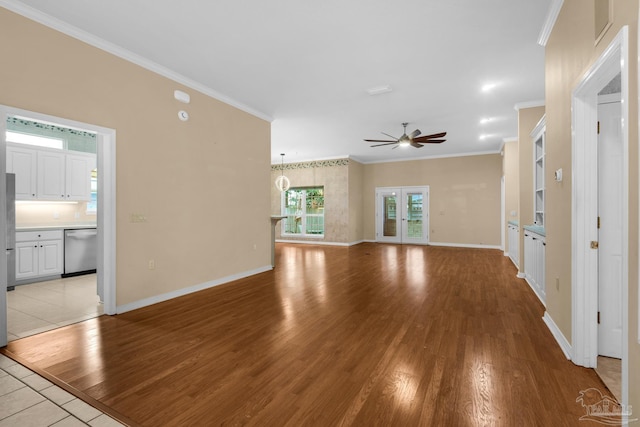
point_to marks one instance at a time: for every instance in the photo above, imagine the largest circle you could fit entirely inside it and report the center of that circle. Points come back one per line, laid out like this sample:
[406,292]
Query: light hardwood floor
[366,335]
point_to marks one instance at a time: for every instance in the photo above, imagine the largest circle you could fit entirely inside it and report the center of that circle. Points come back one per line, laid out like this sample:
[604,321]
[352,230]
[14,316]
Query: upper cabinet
[24,163]
[538,135]
[50,174]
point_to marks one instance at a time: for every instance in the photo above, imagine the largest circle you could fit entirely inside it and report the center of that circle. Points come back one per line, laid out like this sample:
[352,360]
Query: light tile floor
[28,400]
[42,306]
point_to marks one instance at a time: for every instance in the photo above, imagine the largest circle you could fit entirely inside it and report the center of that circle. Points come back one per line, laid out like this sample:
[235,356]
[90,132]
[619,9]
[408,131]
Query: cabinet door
[23,163]
[78,179]
[26,260]
[51,176]
[50,257]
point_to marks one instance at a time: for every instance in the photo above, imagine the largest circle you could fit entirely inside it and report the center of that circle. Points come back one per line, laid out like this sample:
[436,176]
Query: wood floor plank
[367,335]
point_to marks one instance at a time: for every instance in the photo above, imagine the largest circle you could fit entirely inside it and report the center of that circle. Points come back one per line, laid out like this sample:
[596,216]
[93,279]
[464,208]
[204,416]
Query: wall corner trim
[558,335]
[550,21]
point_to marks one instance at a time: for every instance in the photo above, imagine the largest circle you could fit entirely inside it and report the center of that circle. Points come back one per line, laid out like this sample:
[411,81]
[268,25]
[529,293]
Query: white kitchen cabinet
[78,176]
[47,174]
[534,263]
[38,254]
[23,163]
[51,176]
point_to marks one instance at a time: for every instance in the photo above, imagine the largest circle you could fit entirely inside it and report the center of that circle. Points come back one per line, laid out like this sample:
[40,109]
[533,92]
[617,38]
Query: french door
[402,215]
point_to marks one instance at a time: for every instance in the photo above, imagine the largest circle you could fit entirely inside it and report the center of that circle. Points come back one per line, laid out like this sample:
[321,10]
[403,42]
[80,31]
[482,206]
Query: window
[304,208]
[40,141]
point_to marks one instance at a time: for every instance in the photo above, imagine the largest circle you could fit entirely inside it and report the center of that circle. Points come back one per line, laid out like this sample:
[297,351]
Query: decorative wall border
[310,165]
[20,123]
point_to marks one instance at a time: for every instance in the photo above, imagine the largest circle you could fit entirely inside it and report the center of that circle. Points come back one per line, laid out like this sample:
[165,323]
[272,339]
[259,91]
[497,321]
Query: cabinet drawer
[27,236]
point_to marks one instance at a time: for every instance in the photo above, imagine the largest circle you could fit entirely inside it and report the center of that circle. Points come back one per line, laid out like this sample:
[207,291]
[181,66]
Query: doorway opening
[402,215]
[105,218]
[599,290]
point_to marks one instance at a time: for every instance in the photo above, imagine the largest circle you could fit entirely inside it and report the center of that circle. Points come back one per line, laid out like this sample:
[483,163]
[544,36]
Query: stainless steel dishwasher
[80,251]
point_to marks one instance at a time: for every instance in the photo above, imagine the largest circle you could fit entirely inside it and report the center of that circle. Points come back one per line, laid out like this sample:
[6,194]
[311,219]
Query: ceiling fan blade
[432,141]
[416,145]
[388,143]
[415,133]
[379,140]
[390,136]
[395,147]
[427,137]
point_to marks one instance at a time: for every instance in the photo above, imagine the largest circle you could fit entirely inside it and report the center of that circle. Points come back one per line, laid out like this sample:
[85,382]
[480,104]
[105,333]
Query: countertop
[536,229]
[513,222]
[73,226]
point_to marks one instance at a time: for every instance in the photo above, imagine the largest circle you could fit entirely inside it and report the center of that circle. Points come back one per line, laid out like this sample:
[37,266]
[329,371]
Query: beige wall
[333,175]
[569,53]
[356,201]
[464,205]
[511,185]
[203,184]
[528,118]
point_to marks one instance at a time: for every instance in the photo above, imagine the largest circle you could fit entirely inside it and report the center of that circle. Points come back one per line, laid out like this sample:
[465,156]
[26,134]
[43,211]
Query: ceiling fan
[413,139]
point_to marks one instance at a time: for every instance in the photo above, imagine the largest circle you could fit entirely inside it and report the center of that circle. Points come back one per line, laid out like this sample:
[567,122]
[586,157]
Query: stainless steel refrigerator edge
[11,231]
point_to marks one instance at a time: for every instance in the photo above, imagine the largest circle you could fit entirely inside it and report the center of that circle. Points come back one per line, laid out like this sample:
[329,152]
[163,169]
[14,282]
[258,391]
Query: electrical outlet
[136,217]
[152,264]
[557,283]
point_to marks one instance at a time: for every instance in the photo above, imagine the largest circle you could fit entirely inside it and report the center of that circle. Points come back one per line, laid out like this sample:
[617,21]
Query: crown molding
[550,21]
[440,156]
[65,28]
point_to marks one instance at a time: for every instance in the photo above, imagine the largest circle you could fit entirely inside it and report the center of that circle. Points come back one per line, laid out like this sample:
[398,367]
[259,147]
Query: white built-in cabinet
[538,135]
[38,254]
[534,252]
[513,236]
[43,174]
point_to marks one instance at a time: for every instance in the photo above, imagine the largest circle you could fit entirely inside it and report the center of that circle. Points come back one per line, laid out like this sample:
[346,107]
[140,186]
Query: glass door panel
[402,215]
[390,227]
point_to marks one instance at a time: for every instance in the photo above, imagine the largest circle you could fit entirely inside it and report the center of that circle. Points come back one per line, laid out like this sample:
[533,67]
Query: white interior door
[610,157]
[402,215]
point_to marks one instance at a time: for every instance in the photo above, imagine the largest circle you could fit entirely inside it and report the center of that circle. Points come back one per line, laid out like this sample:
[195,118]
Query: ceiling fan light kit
[413,139]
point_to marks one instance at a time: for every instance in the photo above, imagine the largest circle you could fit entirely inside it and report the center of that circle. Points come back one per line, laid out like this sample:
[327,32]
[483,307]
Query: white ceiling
[307,65]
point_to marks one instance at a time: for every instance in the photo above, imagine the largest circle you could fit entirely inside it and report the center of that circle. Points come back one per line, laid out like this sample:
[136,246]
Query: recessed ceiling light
[489,87]
[486,120]
[378,90]
[484,136]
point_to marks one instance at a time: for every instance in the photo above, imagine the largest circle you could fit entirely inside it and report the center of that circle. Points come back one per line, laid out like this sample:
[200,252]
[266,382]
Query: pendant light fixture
[282,182]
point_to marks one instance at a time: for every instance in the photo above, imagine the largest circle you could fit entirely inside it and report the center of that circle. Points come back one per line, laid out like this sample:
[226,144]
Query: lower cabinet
[534,269]
[513,236]
[38,254]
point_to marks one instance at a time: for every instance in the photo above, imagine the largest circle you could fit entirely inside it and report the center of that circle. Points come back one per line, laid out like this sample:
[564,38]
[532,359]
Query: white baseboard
[535,291]
[506,253]
[189,290]
[520,275]
[465,245]
[557,334]
[317,242]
